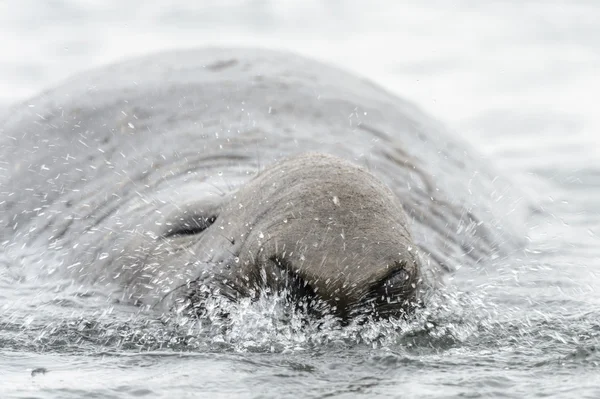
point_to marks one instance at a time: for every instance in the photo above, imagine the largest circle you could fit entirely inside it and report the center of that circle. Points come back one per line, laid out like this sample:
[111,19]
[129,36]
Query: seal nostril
[397,280]
[393,295]
[302,294]
[297,288]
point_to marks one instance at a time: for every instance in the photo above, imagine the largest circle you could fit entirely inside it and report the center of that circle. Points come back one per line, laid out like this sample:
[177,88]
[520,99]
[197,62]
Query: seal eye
[190,226]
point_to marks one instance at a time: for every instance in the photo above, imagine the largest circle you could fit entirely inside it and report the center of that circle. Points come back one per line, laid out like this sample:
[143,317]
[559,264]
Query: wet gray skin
[171,178]
[315,226]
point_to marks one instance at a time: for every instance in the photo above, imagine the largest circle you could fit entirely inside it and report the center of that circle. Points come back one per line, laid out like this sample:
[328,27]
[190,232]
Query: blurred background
[520,80]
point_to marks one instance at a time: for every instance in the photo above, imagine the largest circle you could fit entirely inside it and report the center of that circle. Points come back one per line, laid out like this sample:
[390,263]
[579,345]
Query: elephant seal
[230,172]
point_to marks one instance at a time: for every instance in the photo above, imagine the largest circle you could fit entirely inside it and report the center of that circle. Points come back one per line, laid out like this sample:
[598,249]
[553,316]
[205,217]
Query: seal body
[190,169]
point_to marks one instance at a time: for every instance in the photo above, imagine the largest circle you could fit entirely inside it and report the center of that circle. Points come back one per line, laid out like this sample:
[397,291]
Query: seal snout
[393,294]
[323,229]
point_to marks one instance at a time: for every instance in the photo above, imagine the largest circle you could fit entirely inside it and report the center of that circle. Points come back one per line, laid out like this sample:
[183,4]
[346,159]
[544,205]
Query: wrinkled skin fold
[232,172]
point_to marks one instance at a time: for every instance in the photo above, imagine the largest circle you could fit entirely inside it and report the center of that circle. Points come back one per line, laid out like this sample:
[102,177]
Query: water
[518,81]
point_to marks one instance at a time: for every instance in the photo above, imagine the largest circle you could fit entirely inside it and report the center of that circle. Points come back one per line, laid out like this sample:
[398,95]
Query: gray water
[519,82]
